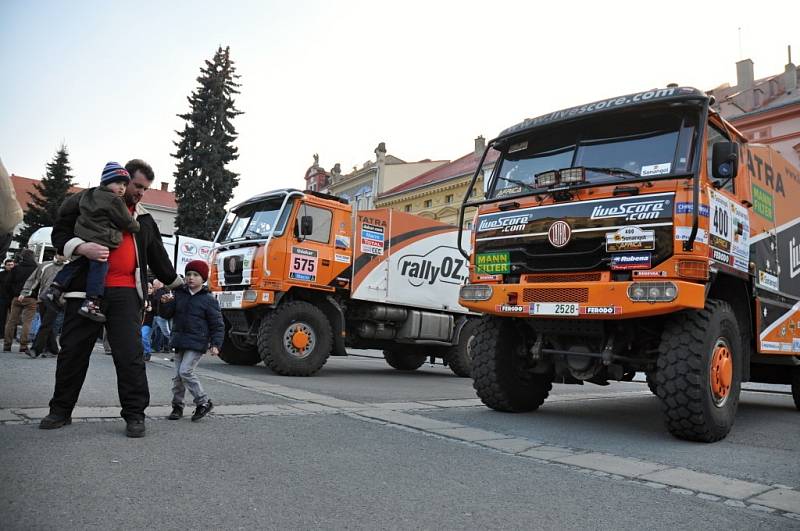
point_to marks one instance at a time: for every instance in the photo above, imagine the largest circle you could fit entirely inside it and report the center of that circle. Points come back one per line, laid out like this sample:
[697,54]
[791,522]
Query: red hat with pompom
[198,266]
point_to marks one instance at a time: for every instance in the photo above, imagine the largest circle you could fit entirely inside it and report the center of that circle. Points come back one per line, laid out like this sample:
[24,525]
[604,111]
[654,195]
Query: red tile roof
[23,186]
[464,166]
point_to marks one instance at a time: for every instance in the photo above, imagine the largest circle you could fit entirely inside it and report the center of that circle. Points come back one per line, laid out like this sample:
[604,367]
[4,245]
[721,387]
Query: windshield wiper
[517,182]
[613,171]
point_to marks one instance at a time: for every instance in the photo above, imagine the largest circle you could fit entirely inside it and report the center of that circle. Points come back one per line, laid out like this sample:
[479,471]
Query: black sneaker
[91,310]
[202,410]
[135,428]
[52,297]
[54,421]
[177,412]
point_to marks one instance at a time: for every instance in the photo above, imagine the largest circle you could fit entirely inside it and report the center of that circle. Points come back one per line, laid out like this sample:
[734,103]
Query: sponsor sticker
[649,273]
[554,308]
[510,308]
[770,345]
[342,241]
[489,277]
[688,208]
[656,169]
[265,296]
[630,239]
[786,347]
[303,264]
[510,223]
[631,261]
[493,263]
[442,264]
[229,299]
[795,345]
[720,256]
[600,310]
[372,239]
[682,234]
[634,210]
[768,281]
[342,258]
[763,204]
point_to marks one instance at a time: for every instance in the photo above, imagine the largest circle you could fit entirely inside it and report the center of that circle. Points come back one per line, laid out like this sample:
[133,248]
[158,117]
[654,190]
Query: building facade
[765,110]
[361,186]
[438,193]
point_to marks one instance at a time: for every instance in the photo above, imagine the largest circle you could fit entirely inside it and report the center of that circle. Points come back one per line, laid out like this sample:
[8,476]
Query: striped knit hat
[113,172]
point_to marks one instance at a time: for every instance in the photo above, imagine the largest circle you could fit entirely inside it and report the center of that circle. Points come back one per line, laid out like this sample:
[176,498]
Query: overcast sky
[337,78]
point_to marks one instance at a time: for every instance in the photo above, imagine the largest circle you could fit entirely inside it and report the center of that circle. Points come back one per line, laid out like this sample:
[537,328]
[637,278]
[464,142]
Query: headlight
[250,295]
[652,291]
[476,292]
[548,178]
[572,175]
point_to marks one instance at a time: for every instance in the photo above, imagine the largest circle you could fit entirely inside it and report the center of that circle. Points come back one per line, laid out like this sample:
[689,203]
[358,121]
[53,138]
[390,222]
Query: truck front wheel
[502,371]
[699,372]
[404,360]
[295,339]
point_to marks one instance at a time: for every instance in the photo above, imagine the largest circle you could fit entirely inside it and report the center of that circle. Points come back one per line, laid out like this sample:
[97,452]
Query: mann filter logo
[442,264]
[559,234]
[641,210]
[506,224]
[794,258]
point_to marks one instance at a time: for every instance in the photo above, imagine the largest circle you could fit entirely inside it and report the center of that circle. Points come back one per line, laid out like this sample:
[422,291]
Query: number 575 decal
[303,264]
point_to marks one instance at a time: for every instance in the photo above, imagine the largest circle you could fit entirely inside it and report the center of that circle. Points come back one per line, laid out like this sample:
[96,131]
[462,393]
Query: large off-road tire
[650,378]
[796,388]
[501,370]
[699,372]
[409,359]
[233,353]
[459,356]
[295,339]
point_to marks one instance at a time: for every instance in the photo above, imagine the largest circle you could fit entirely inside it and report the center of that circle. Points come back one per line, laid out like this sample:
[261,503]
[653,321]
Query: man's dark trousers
[46,336]
[78,337]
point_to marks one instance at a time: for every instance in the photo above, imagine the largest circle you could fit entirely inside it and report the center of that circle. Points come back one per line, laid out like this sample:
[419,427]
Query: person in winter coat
[197,327]
[45,340]
[22,308]
[6,276]
[103,218]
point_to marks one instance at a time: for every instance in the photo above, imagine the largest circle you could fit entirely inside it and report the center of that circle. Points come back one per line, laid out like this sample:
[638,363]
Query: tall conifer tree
[203,185]
[50,193]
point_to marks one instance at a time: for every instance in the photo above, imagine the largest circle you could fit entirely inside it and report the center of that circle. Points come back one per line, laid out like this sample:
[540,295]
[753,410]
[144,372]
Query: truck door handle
[326,262]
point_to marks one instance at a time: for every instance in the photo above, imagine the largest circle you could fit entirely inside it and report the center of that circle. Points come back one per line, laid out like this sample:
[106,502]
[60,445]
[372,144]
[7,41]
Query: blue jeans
[162,325]
[185,363]
[95,278]
[146,339]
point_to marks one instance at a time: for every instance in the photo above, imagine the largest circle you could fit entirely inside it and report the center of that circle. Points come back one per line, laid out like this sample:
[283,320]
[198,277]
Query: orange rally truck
[299,277]
[637,233]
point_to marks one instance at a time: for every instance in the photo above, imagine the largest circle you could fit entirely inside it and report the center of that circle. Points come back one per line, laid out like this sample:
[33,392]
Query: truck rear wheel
[295,339]
[699,372]
[796,388]
[459,356]
[501,370]
[234,353]
[409,360]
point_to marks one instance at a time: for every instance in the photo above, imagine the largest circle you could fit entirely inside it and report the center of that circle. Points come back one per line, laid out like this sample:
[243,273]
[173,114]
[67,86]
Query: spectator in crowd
[161,326]
[124,297]
[147,322]
[6,275]
[10,211]
[45,341]
[198,329]
[22,308]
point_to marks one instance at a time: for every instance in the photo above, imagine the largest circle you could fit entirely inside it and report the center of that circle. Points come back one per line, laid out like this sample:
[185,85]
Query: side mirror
[306,225]
[725,160]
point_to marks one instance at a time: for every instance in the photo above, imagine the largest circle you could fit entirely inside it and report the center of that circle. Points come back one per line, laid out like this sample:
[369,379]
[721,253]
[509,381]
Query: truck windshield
[627,146]
[255,221]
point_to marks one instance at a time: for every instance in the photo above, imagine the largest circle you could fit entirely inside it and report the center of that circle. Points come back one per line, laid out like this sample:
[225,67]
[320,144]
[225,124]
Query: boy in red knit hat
[197,328]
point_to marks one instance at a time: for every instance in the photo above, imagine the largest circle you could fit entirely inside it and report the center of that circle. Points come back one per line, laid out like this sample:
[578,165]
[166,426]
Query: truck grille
[580,277]
[555,295]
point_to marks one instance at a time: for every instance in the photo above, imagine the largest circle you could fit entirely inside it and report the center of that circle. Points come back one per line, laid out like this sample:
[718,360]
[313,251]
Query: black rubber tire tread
[650,377]
[233,355]
[796,388]
[458,356]
[404,360]
[495,377]
[270,336]
[683,372]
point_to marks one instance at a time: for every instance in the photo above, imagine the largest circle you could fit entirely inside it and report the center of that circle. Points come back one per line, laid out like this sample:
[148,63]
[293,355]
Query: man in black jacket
[6,276]
[23,309]
[125,293]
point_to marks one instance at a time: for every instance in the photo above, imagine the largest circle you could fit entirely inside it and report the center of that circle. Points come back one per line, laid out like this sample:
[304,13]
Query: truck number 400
[721,222]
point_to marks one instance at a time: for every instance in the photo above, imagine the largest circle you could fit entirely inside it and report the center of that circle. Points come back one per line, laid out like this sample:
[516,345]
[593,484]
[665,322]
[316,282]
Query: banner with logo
[188,249]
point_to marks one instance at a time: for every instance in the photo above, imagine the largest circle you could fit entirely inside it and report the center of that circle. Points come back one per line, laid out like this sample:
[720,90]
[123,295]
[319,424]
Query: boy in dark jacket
[197,327]
[103,218]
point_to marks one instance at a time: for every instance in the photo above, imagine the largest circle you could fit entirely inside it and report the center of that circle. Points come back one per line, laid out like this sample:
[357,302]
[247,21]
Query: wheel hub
[299,340]
[721,374]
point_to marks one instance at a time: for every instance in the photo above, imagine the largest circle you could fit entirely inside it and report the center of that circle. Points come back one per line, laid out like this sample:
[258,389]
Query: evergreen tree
[203,186]
[50,193]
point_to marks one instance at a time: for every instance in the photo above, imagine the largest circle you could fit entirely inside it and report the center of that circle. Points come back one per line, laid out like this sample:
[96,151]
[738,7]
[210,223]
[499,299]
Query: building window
[448,198]
[408,208]
[428,203]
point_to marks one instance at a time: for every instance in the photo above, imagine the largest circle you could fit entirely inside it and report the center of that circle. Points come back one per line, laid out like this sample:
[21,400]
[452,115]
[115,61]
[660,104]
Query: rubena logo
[631,261]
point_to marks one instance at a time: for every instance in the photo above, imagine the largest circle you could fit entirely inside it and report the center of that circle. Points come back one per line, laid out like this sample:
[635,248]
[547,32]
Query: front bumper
[596,300]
